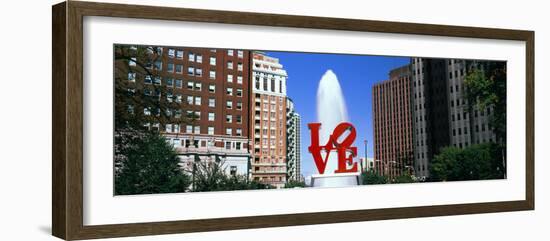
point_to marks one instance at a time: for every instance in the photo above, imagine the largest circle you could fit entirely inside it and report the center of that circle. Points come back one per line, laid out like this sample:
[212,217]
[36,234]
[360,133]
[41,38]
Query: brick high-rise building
[392,123]
[212,87]
[268,120]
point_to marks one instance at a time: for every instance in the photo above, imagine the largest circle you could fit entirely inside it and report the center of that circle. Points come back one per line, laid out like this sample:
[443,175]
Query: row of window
[192,129]
[178,82]
[269,179]
[178,53]
[194,100]
[264,87]
[229,145]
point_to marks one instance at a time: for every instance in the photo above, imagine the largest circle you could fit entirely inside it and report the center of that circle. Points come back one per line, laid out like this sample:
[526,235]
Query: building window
[238,119]
[239,132]
[132,61]
[212,88]
[171,53]
[190,100]
[190,85]
[240,66]
[199,58]
[240,53]
[230,52]
[179,83]
[170,68]
[198,86]
[239,79]
[157,80]
[239,105]
[188,129]
[197,131]
[212,74]
[191,57]
[198,72]
[213,61]
[158,65]
[240,92]
[179,54]
[210,130]
[229,91]
[229,118]
[211,102]
[179,68]
[169,82]
[230,78]
[211,117]
[131,76]
[191,71]
[228,131]
[198,100]
[229,104]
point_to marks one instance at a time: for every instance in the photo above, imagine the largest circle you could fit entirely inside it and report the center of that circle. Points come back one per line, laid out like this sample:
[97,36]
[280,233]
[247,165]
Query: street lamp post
[366,159]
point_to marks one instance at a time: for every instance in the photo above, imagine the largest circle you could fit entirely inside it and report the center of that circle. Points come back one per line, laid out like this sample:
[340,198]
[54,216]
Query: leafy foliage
[147,164]
[294,184]
[487,88]
[404,179]
[371,177]
[134,97]
[144,162]
[476,162]
[211,176]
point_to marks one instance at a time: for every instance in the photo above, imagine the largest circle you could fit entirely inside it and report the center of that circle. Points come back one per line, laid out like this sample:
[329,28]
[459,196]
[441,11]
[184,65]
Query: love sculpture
[344,150]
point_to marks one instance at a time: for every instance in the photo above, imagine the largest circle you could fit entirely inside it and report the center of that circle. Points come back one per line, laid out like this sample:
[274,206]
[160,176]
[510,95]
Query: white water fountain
[331,110]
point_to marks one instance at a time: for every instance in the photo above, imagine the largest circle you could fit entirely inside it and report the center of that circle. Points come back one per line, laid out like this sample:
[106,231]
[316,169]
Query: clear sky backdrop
[356,74]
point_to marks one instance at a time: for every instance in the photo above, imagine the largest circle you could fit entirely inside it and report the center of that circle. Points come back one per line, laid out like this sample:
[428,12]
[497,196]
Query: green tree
[404,179]
[142,102]
[295,183]
[211,176]
[147,164]
[143,107]
[476,162]
[371,177]
[487,88]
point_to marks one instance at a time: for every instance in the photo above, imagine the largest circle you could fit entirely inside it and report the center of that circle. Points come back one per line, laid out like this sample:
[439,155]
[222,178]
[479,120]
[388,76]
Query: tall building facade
[293,144]
[212,88]
[393,123]
[268,120]
[442,115]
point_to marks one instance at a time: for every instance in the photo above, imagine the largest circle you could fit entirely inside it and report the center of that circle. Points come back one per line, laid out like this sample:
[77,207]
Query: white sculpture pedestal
[336,180]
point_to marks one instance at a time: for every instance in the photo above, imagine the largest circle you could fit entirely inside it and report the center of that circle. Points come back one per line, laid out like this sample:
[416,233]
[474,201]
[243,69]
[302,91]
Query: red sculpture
[345,151]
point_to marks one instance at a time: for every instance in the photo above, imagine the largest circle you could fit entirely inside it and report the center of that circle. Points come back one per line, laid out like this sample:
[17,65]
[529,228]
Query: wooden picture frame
[67,124]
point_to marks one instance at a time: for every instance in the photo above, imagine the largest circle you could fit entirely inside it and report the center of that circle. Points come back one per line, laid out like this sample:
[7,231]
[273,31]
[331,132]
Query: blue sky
[356,74]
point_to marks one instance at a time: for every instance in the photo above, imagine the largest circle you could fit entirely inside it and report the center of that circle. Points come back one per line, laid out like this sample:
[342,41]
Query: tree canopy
[487,88]
[147,164]
[476,162]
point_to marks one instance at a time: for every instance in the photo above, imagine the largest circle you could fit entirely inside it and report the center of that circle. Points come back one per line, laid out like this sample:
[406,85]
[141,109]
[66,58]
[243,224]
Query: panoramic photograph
[195,119]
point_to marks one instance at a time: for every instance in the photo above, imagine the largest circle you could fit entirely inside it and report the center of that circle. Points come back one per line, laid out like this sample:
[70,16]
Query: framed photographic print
[170,120]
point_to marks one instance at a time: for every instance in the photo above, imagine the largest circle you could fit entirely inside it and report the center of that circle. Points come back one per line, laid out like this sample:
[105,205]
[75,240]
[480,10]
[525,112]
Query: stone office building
[268,120]
[441,115]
